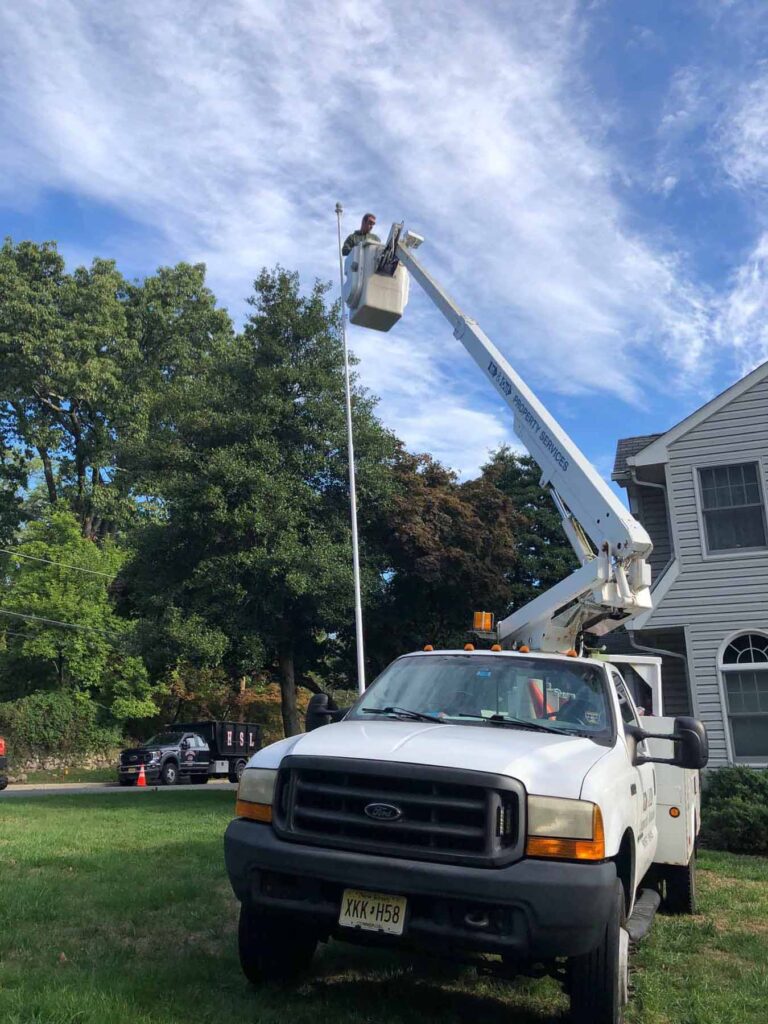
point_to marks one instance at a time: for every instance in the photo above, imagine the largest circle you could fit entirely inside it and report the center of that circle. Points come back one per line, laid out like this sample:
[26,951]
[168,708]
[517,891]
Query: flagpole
[352,490]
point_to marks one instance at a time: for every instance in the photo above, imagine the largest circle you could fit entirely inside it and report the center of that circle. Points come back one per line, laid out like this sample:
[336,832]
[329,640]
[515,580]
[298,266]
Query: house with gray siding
[701,491]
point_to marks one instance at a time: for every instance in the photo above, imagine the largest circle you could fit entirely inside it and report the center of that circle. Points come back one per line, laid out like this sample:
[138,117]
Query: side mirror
[691,746]
[691,743]
[319,711]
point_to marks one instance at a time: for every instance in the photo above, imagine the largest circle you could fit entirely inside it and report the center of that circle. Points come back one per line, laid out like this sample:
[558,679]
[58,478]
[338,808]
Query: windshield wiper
[521,723]
[420,716]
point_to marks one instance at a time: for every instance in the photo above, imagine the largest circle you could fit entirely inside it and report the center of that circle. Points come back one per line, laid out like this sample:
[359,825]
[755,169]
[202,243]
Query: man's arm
[349,244]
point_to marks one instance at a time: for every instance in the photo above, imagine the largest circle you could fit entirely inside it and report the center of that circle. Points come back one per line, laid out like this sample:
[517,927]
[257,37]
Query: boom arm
[613,583]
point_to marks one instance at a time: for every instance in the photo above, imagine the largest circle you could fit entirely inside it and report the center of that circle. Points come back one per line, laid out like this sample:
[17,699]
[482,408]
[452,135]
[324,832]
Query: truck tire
[598,981]
[680,887]
[271,947]
[3,783]
[169,774]
[236,770]
[199,780]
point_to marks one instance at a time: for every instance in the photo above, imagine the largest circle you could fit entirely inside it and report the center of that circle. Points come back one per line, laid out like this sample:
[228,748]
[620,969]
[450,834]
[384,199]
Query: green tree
[89,654]
[66,358]
[451,548]
[544,554]
[252,565]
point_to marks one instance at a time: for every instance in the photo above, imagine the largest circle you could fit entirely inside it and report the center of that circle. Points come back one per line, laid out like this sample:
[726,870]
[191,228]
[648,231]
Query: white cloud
[231,129]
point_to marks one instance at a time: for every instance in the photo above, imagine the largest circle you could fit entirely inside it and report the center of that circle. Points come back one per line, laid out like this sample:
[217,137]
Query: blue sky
[591,179]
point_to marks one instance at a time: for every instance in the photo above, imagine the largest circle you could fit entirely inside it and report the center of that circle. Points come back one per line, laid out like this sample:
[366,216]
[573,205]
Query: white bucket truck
[514,802]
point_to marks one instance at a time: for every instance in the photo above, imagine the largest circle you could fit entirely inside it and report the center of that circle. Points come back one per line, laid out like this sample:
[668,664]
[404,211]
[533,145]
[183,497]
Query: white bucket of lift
[375,300]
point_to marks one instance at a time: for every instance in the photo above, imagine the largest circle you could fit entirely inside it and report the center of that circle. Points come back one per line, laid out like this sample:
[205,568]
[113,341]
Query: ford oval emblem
[383,812]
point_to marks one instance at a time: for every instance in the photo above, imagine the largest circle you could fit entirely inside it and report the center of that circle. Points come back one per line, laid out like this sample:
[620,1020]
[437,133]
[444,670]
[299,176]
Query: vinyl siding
[713,597]
[674,677]
[649,506]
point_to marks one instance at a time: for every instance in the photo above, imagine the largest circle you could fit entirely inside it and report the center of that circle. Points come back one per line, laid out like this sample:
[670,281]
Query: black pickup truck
[192,751]
[3,765]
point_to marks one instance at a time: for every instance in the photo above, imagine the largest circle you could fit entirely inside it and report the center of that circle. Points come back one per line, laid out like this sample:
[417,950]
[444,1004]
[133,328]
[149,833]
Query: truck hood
[545,764]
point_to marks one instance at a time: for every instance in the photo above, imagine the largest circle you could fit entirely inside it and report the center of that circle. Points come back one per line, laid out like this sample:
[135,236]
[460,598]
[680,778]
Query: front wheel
[599,981]
[680,887]
[169,774]
[272,948]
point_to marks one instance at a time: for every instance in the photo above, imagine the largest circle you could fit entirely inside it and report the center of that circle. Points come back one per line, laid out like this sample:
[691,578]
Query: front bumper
[535,909]
[151,771]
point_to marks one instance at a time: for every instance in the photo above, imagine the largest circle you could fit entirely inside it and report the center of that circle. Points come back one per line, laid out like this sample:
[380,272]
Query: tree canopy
[199,473]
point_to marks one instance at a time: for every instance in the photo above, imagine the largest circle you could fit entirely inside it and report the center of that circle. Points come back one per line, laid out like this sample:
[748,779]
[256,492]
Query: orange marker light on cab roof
[571,654]
[524,649]
[428,647]
[496,647]
[469,647]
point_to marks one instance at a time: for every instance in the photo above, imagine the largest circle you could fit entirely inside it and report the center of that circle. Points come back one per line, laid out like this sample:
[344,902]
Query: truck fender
[625,868]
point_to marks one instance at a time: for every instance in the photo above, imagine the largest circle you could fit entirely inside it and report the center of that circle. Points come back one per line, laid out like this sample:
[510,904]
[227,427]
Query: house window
[732,506]
[744,669]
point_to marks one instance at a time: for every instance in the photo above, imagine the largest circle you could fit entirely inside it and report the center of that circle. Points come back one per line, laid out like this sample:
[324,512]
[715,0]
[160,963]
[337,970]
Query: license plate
[372,911]
[133,769]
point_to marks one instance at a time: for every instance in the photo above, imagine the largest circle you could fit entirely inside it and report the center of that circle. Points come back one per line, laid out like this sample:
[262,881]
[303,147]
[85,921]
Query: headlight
[565,829]
[255,793]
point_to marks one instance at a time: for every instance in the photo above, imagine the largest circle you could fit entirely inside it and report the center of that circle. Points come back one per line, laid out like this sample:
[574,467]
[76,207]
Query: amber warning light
[482,621]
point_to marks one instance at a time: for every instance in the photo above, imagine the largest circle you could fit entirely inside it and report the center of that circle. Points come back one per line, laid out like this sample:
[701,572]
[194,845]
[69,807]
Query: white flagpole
[352,492]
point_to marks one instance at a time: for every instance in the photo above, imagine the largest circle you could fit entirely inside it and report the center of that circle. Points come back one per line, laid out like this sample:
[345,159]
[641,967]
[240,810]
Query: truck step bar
[643,914]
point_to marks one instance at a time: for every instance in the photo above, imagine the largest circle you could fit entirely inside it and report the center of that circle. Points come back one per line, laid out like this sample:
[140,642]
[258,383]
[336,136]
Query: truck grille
[438,814]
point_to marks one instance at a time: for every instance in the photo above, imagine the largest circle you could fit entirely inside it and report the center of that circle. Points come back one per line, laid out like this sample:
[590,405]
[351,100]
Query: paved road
[78,788]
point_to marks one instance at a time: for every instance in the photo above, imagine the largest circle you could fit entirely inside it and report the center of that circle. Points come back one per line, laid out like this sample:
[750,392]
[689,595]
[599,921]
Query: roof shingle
[625,447]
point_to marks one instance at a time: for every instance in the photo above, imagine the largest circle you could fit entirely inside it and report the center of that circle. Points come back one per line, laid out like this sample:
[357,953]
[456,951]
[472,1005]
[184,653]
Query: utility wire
[55,622]
[64,565]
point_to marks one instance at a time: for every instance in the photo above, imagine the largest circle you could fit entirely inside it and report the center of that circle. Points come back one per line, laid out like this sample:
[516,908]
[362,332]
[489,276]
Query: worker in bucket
[364,234]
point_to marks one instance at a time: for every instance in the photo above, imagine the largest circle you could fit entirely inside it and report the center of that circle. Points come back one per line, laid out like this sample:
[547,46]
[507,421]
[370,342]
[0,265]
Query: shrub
[734,810]
[54,723]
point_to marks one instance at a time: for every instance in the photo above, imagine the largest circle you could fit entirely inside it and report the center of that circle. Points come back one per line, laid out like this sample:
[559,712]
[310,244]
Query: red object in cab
[2,747]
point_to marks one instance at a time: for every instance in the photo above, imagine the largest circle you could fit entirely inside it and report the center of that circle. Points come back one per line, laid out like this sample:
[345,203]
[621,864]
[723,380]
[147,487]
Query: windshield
[471,689]
[165,739]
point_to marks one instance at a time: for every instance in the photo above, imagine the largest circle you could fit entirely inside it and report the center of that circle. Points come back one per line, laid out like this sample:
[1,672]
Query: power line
[64,565]
[55,622]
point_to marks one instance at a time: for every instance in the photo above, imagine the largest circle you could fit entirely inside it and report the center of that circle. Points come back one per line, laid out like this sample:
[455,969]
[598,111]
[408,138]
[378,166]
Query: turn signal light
[482,621]
[674,812]
[570,849]
[256,812]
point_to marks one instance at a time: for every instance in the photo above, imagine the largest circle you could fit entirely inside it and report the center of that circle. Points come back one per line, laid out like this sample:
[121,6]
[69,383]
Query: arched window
[744,669]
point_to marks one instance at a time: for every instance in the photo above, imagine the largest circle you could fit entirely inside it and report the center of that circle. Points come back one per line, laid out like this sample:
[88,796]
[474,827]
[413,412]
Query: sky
[591,179]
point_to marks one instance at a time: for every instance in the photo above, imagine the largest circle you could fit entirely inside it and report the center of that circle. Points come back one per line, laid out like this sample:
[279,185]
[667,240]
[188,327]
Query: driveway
[79,788]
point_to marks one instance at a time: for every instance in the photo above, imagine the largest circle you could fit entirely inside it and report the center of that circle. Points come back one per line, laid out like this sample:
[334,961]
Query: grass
[118,909]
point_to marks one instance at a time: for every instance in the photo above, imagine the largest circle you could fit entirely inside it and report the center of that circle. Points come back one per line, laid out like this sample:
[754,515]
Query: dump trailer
[230,744]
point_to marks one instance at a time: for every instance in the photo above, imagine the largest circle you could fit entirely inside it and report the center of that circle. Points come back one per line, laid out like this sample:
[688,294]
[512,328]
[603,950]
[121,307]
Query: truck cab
[502,802]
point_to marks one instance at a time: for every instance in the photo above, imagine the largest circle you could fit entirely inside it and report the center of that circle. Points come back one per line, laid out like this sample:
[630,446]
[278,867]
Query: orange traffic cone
[142,779]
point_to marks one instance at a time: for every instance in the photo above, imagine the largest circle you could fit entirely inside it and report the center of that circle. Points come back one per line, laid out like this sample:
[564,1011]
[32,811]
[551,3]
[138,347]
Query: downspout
[659,487]
[643,648]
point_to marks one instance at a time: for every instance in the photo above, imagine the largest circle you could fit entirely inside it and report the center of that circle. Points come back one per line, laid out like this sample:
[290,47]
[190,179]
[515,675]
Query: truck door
[643,786]
[202,755]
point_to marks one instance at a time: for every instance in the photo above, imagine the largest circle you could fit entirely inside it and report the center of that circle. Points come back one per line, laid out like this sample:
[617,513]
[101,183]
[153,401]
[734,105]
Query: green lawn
[117,910]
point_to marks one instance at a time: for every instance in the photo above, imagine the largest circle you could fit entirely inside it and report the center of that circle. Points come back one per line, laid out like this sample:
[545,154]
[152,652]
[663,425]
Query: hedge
[734,810]
[55,723]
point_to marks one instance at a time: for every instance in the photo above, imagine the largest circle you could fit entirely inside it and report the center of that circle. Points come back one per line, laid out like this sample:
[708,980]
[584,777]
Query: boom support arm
[613,584]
